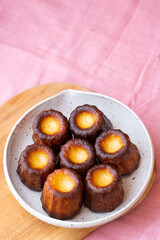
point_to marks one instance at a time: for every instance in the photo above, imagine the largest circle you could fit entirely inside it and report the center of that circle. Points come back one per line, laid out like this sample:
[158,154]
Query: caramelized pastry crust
[35,163]
[106,123]
[51,127]
[103,188]
[130,160]
[77,154]
[87,121]
[115,147]
[62,194]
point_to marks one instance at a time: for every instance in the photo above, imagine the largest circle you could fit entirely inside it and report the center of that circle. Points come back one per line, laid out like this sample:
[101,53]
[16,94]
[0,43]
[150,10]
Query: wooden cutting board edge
[14,216]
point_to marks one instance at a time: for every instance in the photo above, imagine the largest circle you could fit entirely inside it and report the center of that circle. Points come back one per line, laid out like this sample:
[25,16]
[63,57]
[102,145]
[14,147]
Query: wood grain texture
[15,222]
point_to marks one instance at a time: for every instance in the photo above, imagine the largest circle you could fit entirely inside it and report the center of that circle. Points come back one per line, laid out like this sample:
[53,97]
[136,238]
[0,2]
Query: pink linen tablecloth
[111,47]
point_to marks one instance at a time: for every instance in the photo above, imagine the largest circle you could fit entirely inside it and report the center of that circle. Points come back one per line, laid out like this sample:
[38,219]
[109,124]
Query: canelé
[62,193]
[87,121]
[35,163]
[77,154]
[114,146]
[51,127]
[103,188]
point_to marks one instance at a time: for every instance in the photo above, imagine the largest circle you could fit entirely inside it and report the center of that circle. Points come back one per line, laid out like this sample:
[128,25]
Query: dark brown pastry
[87,121]
[51,127]
[103,188]
[35,163]
[115,147]
[77,154]
[62,194]
[106,123]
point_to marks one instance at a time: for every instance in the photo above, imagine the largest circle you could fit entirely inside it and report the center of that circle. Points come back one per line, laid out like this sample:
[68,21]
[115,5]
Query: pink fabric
[111,47]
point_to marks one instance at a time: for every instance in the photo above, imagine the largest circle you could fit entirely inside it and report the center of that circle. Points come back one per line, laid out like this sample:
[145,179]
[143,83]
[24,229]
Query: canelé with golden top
[87,121]
[114,146]
[77,154]
[51,127]
[62,193]
[35,163]
[103,188]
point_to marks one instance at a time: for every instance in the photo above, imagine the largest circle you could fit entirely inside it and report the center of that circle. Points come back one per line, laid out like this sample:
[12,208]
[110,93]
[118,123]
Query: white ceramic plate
[121,117]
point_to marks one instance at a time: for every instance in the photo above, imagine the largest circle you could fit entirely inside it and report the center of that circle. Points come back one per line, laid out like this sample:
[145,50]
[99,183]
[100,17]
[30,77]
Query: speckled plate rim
[71,224]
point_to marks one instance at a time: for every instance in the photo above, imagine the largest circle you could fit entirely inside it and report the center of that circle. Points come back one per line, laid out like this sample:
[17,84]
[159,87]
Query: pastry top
[103,178]
[50,127]
[87,121]
[111,144]
[77,154]
[64,181]
[37,157]
[50,122]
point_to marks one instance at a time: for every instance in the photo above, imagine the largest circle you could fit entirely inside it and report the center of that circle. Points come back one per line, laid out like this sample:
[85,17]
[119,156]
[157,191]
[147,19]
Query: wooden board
[15,222]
